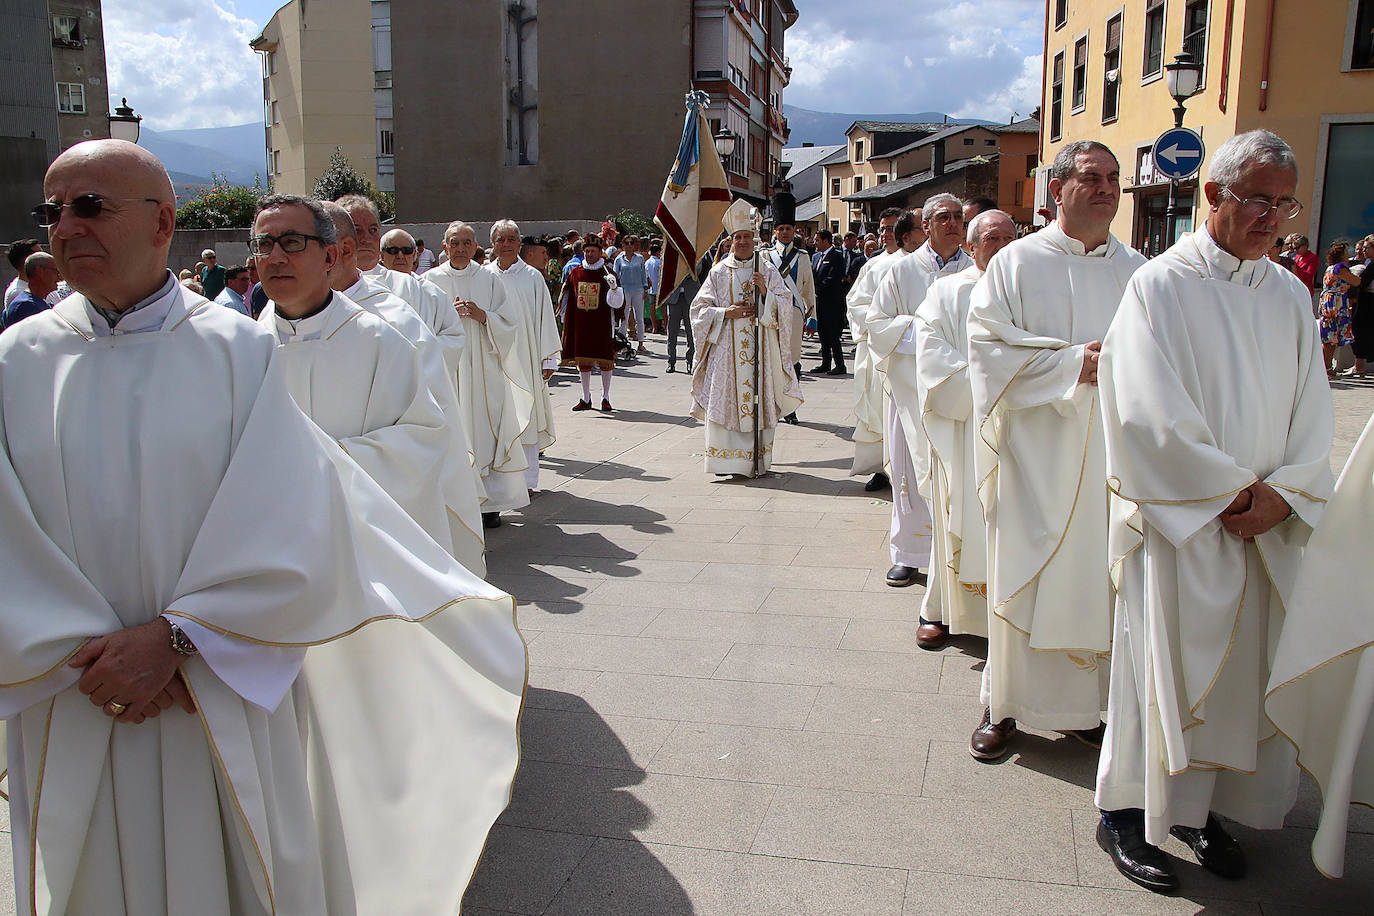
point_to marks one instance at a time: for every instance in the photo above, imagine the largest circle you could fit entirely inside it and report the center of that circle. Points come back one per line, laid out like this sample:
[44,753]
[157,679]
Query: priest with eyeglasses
[237,676]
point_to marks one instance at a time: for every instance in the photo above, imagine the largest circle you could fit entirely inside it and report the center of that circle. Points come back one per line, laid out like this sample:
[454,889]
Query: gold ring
[114,708]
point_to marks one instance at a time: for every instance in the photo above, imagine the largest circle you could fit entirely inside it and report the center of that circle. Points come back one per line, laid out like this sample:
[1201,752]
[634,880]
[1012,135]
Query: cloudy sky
[186,63]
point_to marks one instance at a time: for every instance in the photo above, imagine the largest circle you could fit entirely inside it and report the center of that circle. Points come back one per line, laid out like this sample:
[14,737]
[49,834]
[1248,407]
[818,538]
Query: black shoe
[582,404]
[606,406]
[877,482]
[1144,864]
[791,418]
[900,576]
[1216,850]
[838,370]
[670,368]
[822,369]
[491,519]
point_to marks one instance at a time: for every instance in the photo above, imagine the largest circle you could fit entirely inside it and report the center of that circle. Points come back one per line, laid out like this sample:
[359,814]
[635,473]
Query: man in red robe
[589,322]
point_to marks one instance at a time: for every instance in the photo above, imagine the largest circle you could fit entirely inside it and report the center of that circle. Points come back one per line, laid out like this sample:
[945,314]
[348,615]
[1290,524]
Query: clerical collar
[113,318]
[1223,264]
[1072,245]
[307,327]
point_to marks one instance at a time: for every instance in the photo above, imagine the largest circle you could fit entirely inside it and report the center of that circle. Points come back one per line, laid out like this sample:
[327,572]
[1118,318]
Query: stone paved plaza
[728,714]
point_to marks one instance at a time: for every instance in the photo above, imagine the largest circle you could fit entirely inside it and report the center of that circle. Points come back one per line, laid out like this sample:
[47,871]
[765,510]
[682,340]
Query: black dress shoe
[878,481]
[491,519]
[900,576]
[823,369]
[989,741]
[582,404]
[670,368]
[1092,737]
[838,370]
[1144,864]
[791,418]
[1216,850]
[931,635]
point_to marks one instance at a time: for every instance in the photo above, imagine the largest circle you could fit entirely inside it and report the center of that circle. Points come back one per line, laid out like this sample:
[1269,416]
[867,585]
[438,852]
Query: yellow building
[1302,70]
[322,90]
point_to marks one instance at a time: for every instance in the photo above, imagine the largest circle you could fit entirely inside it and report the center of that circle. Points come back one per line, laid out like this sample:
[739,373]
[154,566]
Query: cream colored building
[322,90]
[1302,70]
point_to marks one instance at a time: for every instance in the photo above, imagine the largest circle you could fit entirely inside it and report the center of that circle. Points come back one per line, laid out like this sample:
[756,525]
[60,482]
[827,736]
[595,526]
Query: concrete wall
[612,76]
[231,247]
[23,162]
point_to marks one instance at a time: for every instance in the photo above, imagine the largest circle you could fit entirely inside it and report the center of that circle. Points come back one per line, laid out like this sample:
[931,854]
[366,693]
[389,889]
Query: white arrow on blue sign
[1178,153]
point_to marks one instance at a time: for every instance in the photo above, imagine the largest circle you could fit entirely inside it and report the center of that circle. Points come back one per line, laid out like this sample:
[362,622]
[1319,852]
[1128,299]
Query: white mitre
[740,217]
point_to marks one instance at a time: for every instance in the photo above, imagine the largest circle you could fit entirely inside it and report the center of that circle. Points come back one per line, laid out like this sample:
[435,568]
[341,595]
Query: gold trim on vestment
[37,799]
[233,793]
[171,612]
[63,319]
[39,677]
[1114,485]
[345,323]
[187,317]
[1280,486]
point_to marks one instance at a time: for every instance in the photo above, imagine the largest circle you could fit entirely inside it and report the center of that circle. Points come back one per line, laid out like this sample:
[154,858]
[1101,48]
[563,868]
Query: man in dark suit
[829,268]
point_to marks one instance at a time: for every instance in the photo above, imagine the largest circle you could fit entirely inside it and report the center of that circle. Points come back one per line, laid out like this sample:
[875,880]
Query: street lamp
[725,142]
[124,123]
[1184,77]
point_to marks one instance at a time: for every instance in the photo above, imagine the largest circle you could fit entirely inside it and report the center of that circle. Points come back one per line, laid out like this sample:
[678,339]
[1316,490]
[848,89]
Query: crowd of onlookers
[1343,291]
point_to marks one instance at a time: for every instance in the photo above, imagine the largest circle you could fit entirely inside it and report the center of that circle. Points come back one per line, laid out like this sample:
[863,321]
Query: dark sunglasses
[85,206]
[394,250]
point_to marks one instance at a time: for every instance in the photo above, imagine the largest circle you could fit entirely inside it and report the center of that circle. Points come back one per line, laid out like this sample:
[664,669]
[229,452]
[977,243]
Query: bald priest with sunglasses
[192,570]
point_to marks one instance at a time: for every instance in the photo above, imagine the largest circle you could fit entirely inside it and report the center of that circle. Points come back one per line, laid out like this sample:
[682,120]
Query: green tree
[633,222]
[221,206]
[341,179]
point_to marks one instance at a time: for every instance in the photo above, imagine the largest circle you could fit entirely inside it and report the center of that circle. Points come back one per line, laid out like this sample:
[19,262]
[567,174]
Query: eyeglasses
[399,249]
[291,242]
[945,216]
[1260,207]
[84,206]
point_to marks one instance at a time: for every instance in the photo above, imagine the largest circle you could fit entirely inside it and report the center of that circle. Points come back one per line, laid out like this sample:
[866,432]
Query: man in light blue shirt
[235,289]
[653,312]
[634,280]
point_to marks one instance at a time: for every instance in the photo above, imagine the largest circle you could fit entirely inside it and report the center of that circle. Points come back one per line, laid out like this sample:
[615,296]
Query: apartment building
[487,108]
[1305,71]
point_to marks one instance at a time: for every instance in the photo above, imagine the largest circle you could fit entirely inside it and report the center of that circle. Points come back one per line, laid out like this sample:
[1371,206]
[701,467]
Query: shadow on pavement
[567,842]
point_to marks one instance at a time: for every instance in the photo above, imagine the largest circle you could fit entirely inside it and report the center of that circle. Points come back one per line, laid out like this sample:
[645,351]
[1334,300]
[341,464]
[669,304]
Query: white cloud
[183,63]
[965,58]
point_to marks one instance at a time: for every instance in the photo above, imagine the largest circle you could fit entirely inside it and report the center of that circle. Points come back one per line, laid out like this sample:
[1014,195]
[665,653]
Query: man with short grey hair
[1036,322]
[41,277]
[1218,461]
[398,251]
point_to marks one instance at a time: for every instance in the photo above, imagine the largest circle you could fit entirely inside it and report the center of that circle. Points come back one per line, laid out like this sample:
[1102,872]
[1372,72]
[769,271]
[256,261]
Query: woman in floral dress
[1333,308]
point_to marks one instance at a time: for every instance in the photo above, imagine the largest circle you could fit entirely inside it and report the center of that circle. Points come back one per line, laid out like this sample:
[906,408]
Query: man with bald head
[497,402]
[174,534]
[398,251]
[41,275]
[462,487]
[956,593]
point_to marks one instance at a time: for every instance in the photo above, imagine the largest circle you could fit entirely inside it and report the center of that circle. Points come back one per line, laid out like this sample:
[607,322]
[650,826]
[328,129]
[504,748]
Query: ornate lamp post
[124,123]
[1184,76]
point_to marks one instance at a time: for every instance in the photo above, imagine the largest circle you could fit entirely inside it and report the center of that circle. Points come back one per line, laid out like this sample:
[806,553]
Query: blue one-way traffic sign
[1178,153]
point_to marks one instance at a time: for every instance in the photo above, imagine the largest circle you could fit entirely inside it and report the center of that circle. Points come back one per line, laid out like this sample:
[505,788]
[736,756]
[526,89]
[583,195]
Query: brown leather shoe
[931,635]
[989,742]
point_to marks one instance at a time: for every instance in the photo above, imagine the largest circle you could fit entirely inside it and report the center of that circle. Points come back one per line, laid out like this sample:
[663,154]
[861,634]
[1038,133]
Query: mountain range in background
[824,128]
[238,152]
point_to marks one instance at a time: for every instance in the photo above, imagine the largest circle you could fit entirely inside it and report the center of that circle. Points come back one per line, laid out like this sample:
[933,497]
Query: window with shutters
[1153,64]
[1195,16]
[1057,97]
[1111,71]
[66,31]
[1080,74]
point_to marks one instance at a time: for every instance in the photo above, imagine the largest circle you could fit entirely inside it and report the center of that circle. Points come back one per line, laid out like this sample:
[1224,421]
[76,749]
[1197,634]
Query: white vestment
[1321,685]
[869,398]
[802,286]
[362,383]
[434,309]
[957,592]
[534,346]
[1042,474]
[723,377]
[1211,379]
[463,492]
[891,321]
[161,468]
[497,405]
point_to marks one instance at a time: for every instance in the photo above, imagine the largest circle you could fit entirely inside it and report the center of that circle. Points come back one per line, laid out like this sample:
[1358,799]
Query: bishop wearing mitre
[742,323]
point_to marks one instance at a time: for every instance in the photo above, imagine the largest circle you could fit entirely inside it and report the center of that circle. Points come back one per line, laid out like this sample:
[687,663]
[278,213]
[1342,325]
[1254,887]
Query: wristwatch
[181,643]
